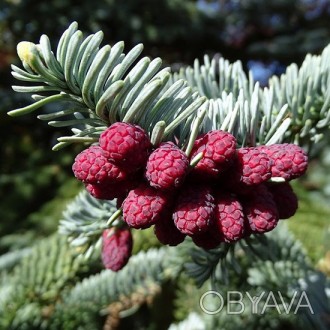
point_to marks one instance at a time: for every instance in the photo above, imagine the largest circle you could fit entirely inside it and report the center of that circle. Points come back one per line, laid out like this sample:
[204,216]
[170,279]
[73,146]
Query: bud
[27,52]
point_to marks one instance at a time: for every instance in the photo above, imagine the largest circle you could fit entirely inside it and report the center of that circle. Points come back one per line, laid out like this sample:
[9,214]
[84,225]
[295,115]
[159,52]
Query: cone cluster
[226,196]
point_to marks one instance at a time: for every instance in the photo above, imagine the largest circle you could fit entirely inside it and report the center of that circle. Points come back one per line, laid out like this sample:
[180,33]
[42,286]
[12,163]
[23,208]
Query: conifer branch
[107,291]
[294,108]
[84,220]
[103,84]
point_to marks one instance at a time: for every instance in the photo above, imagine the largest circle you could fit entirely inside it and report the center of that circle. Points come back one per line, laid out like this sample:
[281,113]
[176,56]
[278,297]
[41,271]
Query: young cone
[251,167]
[117,246]
[167,167]
[260,211]
[143,206]
[289,160]
[194,210]
[208,240]
[166,231]
[109,190]
[218,148]
[285,199]
[128,145]
[92,166]
[229,217]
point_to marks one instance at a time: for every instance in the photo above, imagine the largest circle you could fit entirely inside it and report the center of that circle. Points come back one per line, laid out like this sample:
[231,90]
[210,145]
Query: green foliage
[144,273]
[36,283]
[184,302]
[144,240]
[293,108]
[59,288]
[219,263]
[84,220]
[306,91]
[101,87]
[281,266]
[50,294]
[11,259]
[100,92]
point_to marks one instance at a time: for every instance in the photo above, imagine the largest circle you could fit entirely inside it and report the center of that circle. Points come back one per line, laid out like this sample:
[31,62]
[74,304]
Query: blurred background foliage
[36,183]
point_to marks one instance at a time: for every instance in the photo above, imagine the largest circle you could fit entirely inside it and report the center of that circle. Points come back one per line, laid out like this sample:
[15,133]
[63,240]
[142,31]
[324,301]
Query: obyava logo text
[236,302]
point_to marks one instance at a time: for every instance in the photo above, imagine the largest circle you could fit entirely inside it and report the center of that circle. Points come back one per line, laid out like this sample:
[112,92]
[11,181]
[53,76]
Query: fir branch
[280,266]
[12,258]
[294,108]
[37,282]
[84,220]
[205,264]
[102,83]
[97,294]
[306,91]
[216,76]
[235,103]
[278,245]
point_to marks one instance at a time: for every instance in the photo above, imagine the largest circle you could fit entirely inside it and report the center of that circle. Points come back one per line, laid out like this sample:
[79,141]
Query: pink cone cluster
[226,196]
[111,169]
